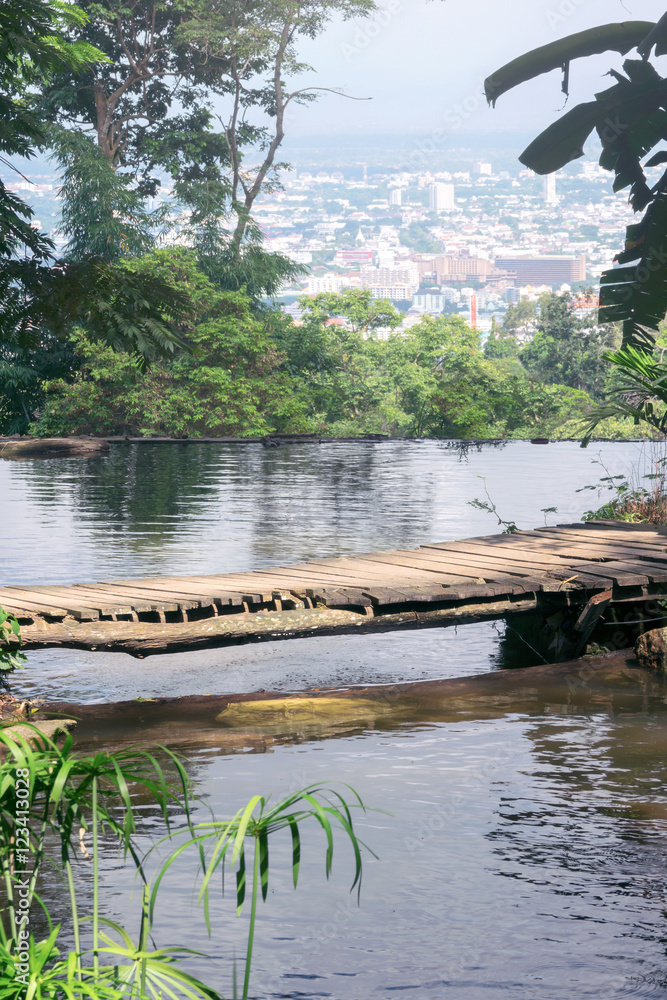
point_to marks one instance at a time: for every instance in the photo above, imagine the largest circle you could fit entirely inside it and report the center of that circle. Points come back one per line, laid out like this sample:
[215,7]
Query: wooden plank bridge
[579,568]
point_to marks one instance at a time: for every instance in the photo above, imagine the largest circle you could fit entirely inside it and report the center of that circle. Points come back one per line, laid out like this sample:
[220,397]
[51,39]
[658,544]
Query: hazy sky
[421,58]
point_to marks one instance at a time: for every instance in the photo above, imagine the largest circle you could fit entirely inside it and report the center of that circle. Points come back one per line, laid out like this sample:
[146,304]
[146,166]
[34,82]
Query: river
[520,854]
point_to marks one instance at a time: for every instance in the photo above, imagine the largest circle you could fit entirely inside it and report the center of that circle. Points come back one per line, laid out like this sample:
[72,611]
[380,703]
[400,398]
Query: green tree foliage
[520,317]
[230,382]
[347,369]
[124,100]
[41,298]
[103,213]
[567,350]
[32,48]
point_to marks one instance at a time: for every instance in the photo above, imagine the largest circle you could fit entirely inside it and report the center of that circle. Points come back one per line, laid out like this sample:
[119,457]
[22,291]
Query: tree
[102,213]
[630,119]
[567,350]
[128,94]
[32,47]
[251,47]
[520,317]
[39,297]
[418,237]
[230,383]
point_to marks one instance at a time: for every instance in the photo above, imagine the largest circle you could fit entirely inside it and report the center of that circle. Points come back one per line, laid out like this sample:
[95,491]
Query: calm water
[525,853]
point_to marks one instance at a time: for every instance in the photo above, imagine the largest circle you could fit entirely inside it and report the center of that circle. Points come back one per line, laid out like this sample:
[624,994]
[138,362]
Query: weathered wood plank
[32,602]
[489,569]
[418,561]
[144,600]
[576,542]
[103,604]
[508,553]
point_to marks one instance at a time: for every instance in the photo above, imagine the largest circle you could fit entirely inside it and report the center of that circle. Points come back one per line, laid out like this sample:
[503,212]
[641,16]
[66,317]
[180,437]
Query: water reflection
[167,509]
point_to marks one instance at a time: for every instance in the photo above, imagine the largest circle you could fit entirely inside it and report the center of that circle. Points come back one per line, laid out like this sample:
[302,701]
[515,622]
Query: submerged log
[144,638]
[614,682]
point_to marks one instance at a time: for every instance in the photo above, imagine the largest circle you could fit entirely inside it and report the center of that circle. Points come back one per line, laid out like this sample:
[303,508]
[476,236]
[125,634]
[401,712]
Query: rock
[651,650]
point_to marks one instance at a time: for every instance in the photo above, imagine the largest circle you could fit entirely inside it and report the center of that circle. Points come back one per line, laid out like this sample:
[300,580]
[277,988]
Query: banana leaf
[618,37]
[613,114]
[636,292]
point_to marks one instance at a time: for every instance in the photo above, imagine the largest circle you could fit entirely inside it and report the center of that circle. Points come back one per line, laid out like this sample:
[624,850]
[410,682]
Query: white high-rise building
[550,194]
[441,198]
[396,196]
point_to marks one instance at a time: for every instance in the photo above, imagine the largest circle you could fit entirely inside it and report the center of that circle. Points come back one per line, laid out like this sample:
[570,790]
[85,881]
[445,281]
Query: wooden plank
[149,600]
[657,552]
[167,598]
[43,606]
[605,525]
[360,569]
[605,552]
[143,603]
[344,598]
[385,596]
[489,568]
[511,549]
[238,584]
[415,559]
[622,574]
[511,556]
[323,577]
[79,595]
[20,611]
[645,538]
[218,595]
[585,579]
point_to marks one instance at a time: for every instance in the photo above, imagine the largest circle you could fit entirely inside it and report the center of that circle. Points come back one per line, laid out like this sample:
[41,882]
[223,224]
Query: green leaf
[263,848]
[617,37]
[622,114]
[296,849]
[564,140]
[656,37]
[240,882]
[636,295]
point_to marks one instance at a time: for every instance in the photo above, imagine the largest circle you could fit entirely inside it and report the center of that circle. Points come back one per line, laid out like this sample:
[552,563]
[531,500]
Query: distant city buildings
[428,238]
[543,270]
[550,193]
[441,198]
[358,257]
[399,282]
[461,268]
[327,283]
[429,302]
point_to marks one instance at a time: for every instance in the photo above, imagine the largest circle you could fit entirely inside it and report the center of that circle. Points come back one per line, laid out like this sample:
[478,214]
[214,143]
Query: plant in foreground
[11,657]
[509,527]
[50,798]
